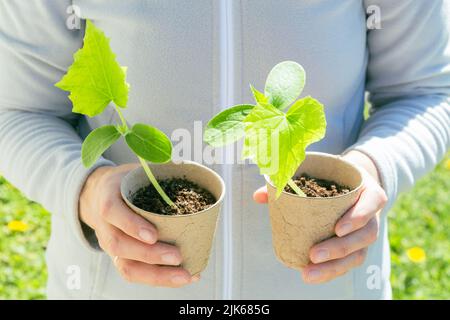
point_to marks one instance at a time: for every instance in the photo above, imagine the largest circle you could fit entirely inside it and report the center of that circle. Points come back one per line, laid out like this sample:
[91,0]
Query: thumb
[260,195]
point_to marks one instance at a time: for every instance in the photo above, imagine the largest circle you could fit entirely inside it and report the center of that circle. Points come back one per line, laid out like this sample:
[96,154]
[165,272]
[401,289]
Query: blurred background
[419,234]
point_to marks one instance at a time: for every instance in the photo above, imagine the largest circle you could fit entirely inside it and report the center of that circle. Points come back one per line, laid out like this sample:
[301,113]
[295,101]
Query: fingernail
[169,258]
[179,280]
[195,278]
[345,229]
[314,275]
[321,256]
[147,236]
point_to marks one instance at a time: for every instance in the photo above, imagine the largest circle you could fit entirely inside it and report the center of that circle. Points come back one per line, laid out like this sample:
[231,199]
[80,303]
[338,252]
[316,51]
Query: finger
[372,200]
[336,248]
[116,243]
[319,273]
[153,275]
[127,167]
[116,212]
[260,195]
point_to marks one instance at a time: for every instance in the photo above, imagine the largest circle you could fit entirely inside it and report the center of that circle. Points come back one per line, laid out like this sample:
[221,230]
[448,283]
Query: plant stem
[144,164]
[296,189]
[155,182]
[124,122]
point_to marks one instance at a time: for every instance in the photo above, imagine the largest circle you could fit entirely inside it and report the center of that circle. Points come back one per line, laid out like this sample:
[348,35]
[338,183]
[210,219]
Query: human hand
[128,238]
[356,230]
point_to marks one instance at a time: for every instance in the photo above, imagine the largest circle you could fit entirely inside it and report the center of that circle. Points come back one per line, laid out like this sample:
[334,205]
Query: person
[187,60]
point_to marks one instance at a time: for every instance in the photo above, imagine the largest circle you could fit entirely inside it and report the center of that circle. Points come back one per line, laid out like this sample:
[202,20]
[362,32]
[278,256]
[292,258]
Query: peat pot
[192,233]
[300,222]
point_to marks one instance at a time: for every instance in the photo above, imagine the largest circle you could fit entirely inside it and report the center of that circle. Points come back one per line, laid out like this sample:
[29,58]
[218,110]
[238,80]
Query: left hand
[355,231]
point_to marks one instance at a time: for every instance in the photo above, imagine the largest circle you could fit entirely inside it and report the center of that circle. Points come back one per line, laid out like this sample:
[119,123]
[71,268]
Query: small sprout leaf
[227,127]
[284,84]
[149,143]
[259,96]
[97,142]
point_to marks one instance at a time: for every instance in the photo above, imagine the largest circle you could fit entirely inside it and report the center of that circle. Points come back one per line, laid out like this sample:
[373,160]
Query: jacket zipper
[226,99]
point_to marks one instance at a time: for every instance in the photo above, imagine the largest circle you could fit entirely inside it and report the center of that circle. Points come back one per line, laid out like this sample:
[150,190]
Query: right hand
[129,239]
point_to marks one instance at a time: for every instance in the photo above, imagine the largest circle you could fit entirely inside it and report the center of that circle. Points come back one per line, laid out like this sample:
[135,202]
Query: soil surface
[313,187]
[187,196]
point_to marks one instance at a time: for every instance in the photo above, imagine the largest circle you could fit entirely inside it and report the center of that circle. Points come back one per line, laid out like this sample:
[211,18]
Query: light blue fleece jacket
[187,60]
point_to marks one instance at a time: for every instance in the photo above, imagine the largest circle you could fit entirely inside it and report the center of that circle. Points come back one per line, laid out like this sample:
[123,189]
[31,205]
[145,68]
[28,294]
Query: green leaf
[149,143]
[227,126]
[95,78]
[259,96]
[284,84]
[97,142]
[276,141]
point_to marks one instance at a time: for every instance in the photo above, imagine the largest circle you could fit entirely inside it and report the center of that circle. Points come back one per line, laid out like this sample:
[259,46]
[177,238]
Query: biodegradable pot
[300,222]
[193,233]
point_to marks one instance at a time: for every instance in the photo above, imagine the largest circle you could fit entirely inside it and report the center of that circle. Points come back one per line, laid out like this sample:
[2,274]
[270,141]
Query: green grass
[420,218]
[22,265]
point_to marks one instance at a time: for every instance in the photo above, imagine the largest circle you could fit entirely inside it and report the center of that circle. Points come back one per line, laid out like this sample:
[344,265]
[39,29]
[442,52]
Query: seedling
[95,80]
[273,139]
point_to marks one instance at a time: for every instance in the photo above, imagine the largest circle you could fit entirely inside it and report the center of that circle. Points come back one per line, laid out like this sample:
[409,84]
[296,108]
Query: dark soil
[313,187]
[187,196]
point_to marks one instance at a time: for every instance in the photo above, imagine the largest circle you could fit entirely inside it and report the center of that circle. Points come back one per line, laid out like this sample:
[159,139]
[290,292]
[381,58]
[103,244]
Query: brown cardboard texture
[194,233]
[300,222]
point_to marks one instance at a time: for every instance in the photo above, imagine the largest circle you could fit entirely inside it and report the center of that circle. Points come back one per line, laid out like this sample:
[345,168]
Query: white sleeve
[408,131]
[40,149]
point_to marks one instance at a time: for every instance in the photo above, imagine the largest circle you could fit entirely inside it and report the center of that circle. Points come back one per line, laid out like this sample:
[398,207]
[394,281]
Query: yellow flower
[416,254]
[16,225]
[447,164]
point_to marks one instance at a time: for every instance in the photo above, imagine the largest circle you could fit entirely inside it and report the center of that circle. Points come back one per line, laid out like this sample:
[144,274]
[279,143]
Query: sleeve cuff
[377,150]
[75,183]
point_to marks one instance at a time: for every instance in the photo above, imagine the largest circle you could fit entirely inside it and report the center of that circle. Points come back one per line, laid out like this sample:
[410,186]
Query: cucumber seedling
[275,140]
[95,80]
